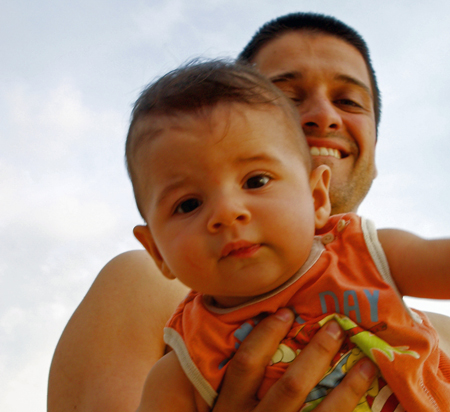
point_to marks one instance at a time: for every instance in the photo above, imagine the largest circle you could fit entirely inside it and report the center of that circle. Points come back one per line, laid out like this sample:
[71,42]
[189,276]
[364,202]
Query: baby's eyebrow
[171,187]
[257,158]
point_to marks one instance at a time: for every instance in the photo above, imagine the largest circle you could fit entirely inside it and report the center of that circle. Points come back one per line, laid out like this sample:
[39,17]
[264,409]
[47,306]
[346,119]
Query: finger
[289,393]
[246,370]
[346,396]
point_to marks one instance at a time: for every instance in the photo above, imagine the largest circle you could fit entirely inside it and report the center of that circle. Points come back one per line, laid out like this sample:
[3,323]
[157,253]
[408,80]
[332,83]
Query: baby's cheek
[189,257]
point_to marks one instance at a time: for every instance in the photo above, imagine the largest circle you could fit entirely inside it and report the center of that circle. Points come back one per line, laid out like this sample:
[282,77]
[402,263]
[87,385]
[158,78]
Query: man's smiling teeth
[325,151]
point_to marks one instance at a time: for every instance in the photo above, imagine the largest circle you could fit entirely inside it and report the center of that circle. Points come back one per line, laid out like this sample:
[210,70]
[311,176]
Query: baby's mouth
[240,248]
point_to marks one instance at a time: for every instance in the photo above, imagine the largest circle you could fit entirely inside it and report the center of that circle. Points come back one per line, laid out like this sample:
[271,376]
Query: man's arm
[419,267]
[167,389]
[113,338]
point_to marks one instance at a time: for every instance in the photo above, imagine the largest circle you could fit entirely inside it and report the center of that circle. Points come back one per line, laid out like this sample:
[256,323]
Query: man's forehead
[294,54]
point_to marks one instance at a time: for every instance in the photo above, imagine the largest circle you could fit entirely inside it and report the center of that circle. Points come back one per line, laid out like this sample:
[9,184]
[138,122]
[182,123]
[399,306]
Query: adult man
[115,336]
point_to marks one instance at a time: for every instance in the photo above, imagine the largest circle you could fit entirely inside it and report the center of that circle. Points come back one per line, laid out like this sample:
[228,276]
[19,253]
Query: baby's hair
[196,88]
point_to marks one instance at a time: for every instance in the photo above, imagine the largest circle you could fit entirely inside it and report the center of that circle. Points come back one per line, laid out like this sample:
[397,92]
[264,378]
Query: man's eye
[256,182]
[294,98]
[188,206]
[347,102]
[296,101]
[294,93]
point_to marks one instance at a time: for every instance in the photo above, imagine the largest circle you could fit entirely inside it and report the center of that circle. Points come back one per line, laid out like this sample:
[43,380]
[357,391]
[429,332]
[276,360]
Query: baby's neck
[224,302]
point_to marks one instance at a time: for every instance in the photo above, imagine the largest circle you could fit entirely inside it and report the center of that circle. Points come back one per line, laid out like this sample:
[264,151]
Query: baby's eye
[256,182]
[188,206]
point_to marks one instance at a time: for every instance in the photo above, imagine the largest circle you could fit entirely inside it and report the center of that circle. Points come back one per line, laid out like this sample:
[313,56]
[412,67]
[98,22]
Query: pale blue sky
[70,72]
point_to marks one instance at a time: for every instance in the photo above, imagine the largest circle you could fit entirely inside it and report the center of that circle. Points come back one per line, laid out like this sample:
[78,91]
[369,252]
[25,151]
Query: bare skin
[115,335]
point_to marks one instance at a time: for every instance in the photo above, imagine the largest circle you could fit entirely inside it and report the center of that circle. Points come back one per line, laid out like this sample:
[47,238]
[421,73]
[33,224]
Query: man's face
[228,203]
[328,81]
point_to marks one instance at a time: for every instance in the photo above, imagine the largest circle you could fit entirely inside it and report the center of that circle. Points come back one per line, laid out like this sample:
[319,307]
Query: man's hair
[314,23]
[195,89]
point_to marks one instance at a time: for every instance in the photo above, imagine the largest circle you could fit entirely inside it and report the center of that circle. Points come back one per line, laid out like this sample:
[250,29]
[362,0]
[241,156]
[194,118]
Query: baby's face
[228,200]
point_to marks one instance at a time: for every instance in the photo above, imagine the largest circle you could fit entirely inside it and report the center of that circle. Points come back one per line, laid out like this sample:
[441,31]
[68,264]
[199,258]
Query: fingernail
[284,315]
[367,370]
[334,330]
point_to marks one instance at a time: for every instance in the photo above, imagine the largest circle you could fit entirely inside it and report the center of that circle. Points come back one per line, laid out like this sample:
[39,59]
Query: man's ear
[320,183]
[143,234]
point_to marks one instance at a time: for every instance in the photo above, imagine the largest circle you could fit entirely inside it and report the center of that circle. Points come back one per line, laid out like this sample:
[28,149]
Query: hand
[246,371]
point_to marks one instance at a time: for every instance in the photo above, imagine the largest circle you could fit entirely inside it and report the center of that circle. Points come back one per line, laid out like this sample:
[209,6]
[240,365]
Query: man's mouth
[325,151]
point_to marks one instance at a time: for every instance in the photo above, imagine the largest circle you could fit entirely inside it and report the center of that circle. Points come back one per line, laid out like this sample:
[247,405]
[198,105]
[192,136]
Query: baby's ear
[320,183]
[143,234]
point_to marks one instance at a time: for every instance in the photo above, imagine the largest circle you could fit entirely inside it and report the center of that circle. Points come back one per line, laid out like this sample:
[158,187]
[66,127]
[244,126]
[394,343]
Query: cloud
[51,171]
[160,20]
[63,215]
[53,125]
[26,343]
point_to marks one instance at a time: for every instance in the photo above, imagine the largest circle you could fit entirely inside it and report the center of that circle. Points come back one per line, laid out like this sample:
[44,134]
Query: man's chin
[347,195]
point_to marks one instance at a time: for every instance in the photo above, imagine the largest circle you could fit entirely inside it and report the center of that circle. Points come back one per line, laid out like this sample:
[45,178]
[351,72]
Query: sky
[69,75]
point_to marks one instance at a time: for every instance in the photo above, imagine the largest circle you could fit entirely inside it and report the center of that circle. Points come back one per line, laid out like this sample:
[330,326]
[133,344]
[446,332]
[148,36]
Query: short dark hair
[195,88]
[316,23]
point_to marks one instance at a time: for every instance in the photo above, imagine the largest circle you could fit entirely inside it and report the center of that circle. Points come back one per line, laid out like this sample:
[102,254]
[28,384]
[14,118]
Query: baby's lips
[235,246]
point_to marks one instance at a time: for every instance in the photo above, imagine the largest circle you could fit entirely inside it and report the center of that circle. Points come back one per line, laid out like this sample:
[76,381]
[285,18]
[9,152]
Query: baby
[223,177]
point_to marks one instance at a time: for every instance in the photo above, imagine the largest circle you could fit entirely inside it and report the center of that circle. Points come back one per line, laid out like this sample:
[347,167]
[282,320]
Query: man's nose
[227,212]
[319,115]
